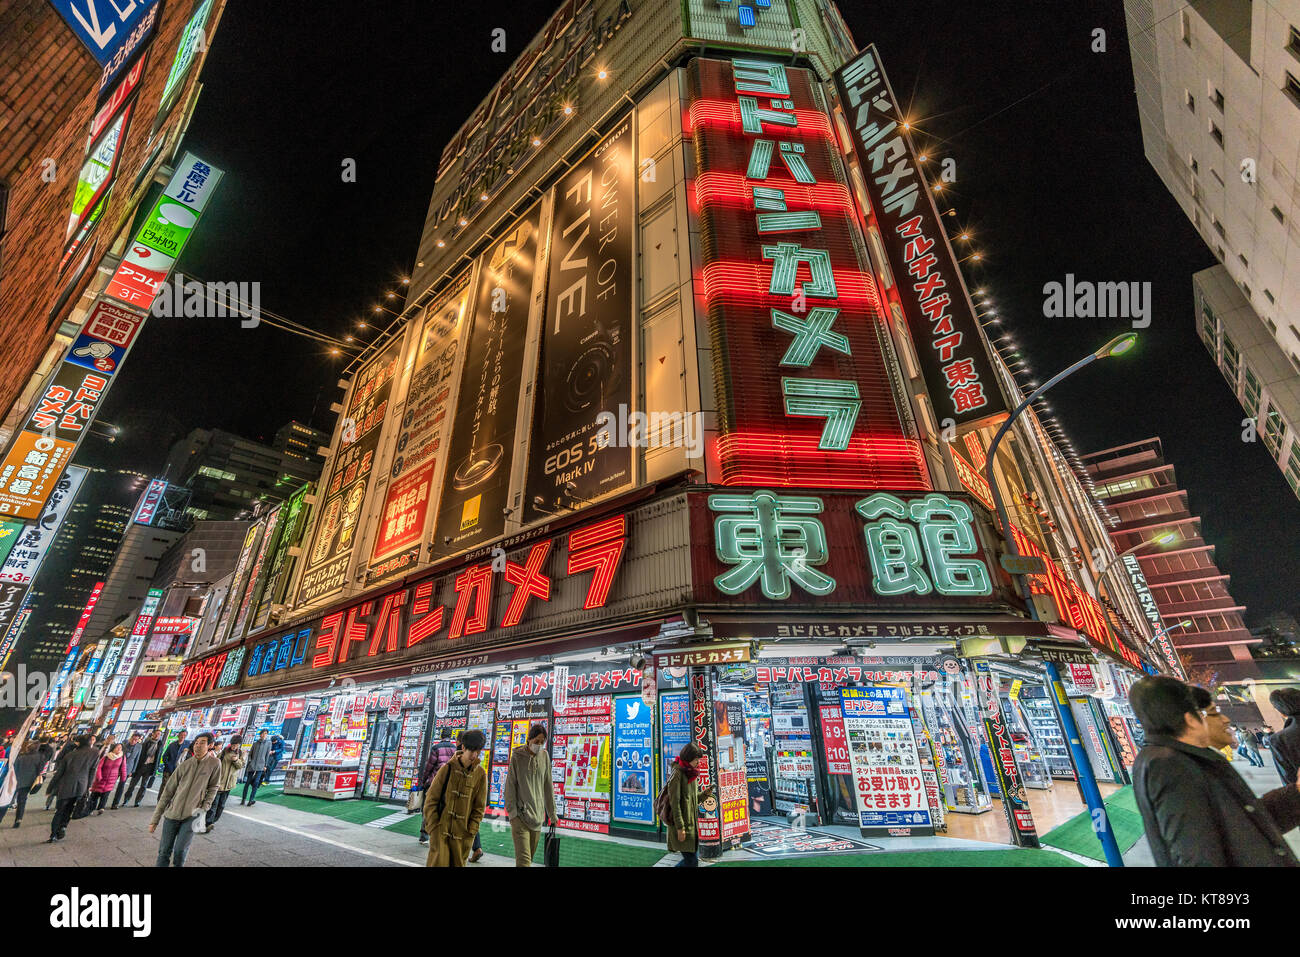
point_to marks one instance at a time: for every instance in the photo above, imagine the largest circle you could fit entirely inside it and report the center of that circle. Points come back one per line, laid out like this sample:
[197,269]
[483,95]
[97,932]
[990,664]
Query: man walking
[189,792]
[258,755]
[454,804]
[70,782]
[146,767]
[172,757]
[442,751]
[1196,809]
[529,797]
[1285,744]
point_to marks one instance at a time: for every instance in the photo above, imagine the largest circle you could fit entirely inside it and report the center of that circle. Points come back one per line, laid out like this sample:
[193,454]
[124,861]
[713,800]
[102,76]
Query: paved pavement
[1261,781]
[261,836]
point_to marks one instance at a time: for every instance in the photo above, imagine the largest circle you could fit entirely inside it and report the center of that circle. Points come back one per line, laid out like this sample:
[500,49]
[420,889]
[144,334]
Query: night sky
[1051,179]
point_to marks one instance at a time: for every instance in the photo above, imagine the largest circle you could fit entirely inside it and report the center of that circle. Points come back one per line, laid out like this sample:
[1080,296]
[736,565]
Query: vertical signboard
[147,509]
[585,364]
[34,541]
[1152,613]
[192,42]
[279,566]
[674,727]
[336,524]
[1015,804]
[795,322]
[481,450]
[949,347]
[708,828]
[268,527]
[886,767]
[139,632]
[105,27]
[733,785]
[237,581]
[422,437]
[9,532]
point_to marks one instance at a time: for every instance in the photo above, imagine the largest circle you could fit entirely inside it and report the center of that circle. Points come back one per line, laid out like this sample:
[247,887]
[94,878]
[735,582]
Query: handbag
[414,800]
[551,853]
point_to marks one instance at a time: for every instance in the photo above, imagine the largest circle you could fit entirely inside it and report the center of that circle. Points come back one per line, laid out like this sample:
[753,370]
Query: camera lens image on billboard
[585,365]
[477,480]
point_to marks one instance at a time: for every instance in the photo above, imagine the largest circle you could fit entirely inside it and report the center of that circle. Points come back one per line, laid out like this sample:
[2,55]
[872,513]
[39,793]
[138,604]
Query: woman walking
[27,769]
[111,770]
[684,802]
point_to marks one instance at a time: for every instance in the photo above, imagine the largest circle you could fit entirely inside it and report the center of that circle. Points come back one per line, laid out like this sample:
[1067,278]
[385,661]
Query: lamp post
[1087,780]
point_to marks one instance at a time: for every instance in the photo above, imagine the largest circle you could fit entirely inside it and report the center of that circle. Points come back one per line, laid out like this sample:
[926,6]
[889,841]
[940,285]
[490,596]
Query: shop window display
[1040,716]
[956,750]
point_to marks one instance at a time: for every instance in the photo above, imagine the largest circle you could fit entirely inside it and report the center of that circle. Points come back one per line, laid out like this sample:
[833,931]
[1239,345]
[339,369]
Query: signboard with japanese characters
[585,362]
[1015,803]
[700,685]
[31,470]
[801,381]
[34,541]
[885,549]
[147,509]
[634,790]
[480,452]
[350,477]
[279,567]
[420,454]
[105,27]
[703,655]
[887,778]
[927,281]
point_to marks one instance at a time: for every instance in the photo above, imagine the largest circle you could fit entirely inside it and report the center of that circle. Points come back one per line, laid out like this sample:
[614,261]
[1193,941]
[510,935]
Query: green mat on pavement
[1076,834]
[574,851]
[354,812]
[1008,857]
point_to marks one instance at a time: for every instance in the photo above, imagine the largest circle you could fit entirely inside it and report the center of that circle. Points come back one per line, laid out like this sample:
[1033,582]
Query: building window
[1245,289]
[1218,228]
[1189,100]
[1272,326]
[1244,261]
[1269,296]
[1215,97]
[1293,44]
[1218,250]
[1191,161]
[1230,360]
[1292,88]
[1217,178]
[1217,134]
[1185,27]
[1273,430]
[1209,326]
[1277,214]
[1251,393]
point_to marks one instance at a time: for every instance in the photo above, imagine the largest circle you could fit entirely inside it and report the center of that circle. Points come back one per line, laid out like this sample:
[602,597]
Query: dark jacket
[72,773]
[27,768]
[277,752]
[257,755]
[147,762]
[683,803]
[131,754]
[1198,812]
[1285,746]
[172,756]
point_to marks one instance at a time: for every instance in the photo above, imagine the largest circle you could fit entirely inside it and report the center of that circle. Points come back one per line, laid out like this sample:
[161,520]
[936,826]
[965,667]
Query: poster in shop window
[585,361]
[581,763]
[674,727]
[480,451]
[350,476]
[732,785]
[634,789]
[888,782]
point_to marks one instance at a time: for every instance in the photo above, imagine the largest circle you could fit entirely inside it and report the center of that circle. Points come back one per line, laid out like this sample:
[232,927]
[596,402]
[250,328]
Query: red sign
[295,708]
[405,509]
[835,740]
[141,272]
[802,383]
[113,324]
[974,482]
[85,617]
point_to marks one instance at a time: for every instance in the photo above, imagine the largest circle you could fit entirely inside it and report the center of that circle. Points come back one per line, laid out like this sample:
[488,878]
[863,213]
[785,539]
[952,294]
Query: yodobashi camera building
[665,214]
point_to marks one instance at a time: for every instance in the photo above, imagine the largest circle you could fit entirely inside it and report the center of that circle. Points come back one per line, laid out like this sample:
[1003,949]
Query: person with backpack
[454,803]
[442,751]
[679,804]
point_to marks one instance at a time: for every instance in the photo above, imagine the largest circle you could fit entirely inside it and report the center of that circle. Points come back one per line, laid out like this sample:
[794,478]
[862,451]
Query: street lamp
[1083,769]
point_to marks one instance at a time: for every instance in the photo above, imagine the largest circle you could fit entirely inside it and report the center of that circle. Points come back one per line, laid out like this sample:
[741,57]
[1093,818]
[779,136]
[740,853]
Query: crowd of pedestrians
[88,774]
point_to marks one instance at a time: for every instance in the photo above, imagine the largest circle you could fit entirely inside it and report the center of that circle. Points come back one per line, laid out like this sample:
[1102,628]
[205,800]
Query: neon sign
[789,302]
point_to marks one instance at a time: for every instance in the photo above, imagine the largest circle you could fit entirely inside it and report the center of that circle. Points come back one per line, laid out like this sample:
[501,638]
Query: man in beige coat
[529,797]
[189,792]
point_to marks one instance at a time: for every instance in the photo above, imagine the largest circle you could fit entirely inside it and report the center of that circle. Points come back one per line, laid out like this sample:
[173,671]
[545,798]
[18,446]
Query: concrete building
[1254,366]
[1218,94]
[81,555]
[71,198]
[228,475]
[1139,488]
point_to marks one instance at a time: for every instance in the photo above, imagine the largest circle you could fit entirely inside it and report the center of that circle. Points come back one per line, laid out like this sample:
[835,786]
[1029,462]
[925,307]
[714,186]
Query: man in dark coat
[70,782]
[146,767]
[1196,809]
[172,757]
[1285,744]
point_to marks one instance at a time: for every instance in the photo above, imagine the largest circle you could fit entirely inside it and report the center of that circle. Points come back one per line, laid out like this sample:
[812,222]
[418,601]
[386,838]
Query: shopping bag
[551,854]
[414,800]
[199,824]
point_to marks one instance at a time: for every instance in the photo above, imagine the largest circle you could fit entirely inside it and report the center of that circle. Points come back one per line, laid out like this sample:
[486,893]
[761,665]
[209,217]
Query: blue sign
[106,27]
[633,760]
[96,354]
[674,725]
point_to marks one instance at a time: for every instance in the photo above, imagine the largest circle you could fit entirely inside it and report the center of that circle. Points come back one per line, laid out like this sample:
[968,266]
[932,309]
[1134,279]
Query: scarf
[690,772]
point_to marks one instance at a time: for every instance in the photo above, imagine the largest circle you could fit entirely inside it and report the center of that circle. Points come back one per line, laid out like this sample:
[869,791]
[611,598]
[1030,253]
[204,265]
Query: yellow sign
[1015,689]
[469,513]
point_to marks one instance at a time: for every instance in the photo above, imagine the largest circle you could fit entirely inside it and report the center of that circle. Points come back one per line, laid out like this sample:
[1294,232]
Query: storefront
[838,672]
